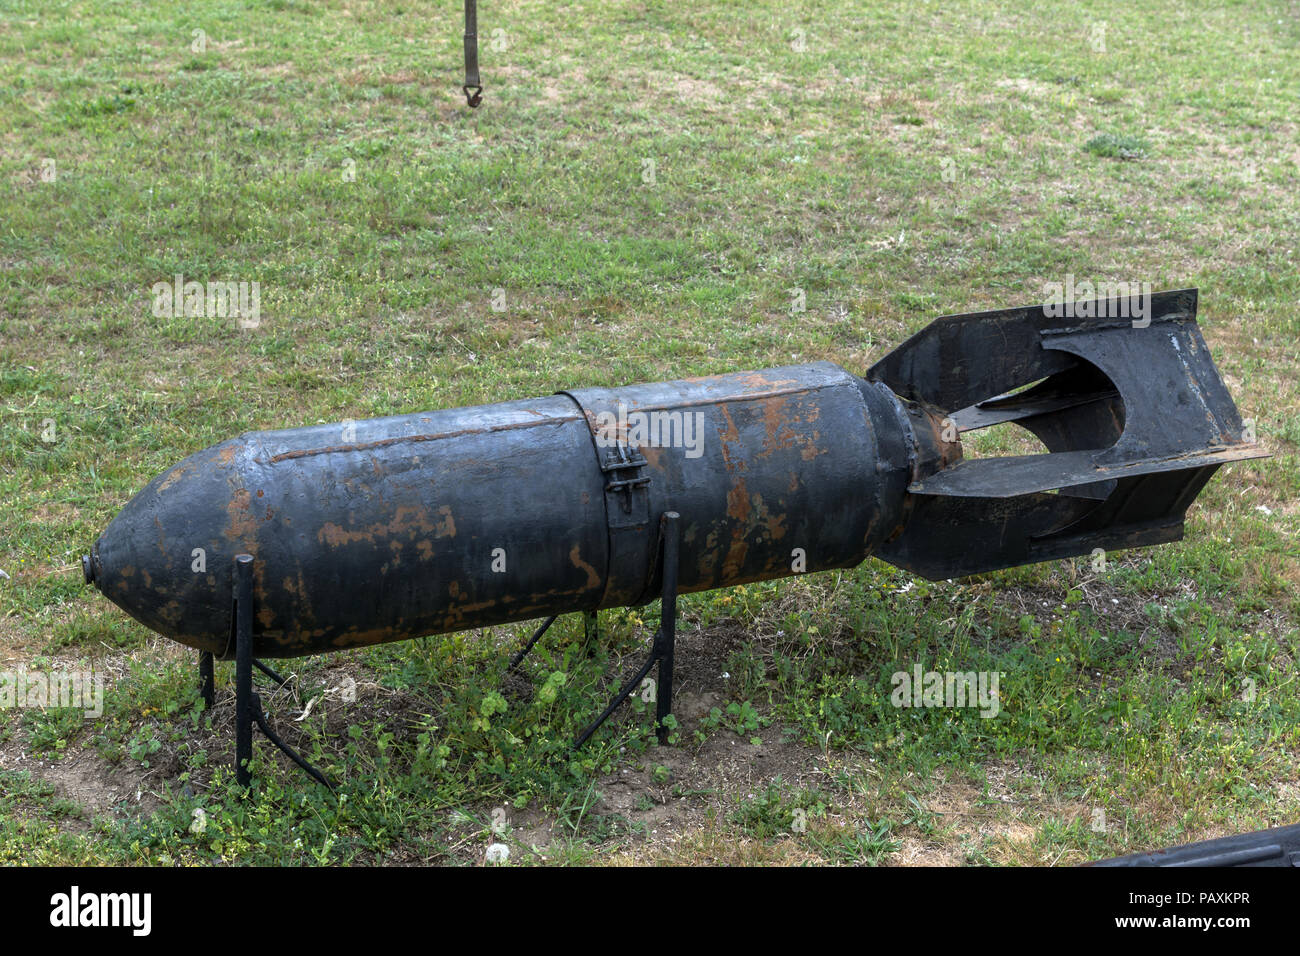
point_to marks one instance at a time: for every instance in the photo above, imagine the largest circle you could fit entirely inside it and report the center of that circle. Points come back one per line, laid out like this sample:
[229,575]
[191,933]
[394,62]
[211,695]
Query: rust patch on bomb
[775,526]
[738,502]
[732,449]
[593,579]
[174,475]
[739,510]
[408,522]
[759,379]
[241,526]
[171,613]
[777,433]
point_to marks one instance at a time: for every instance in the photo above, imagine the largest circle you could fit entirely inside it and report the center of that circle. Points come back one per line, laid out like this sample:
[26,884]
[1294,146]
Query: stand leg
[269,673]
[288,751]
[243,624]
[590,632]
[207,679]
[661,652]
[666,639]
[537,636]
[248,704]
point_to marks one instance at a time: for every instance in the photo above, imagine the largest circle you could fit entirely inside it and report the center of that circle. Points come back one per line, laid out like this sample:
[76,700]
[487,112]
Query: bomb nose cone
[88,569]
[158,560]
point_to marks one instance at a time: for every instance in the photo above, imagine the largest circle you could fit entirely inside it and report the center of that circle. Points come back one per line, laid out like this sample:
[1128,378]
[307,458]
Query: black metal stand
[242,624]
[248,704]
[665,640]
[661,651]
[207,679]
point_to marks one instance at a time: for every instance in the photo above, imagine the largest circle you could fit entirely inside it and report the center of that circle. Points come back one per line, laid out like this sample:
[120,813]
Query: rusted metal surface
[416,524]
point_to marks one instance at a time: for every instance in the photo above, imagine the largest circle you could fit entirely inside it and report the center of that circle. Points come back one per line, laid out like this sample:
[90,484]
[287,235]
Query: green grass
[1117,147]
[903,161]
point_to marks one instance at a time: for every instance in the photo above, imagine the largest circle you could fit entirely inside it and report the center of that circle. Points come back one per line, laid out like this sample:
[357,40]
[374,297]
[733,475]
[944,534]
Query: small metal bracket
[625,486]
[629,490]
[627,511]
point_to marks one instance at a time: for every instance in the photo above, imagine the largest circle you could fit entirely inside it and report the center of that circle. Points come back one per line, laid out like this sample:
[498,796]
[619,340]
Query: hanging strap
[473,88]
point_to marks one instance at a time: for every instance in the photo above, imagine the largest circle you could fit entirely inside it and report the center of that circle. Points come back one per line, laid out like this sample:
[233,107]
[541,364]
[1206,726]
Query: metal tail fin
[1121,391]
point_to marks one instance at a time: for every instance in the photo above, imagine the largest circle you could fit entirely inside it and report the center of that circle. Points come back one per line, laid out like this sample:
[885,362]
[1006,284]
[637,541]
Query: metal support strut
[207,679]
[248,704]
[590,630]
[661,651]
[537,636]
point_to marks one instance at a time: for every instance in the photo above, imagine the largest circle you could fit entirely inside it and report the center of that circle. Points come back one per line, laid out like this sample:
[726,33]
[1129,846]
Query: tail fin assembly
[1133,412]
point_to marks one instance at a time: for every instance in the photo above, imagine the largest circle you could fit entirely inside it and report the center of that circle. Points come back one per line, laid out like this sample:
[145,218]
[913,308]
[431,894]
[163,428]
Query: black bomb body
[398,527]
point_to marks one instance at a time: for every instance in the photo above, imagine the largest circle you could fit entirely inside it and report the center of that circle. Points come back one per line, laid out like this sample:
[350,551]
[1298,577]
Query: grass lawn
[641,197]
